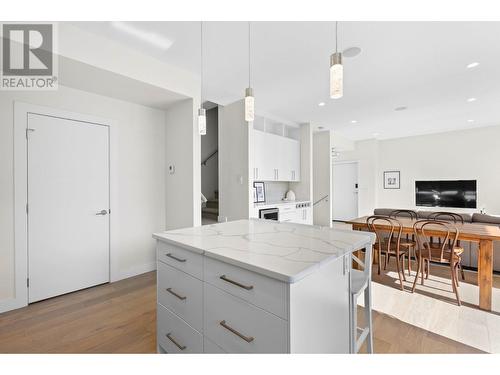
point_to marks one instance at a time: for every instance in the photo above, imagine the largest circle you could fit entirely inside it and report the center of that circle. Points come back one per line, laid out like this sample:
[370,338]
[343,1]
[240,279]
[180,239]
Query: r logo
[27,50]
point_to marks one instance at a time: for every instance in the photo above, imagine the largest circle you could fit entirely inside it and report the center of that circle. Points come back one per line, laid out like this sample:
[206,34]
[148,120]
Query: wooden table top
[467,231]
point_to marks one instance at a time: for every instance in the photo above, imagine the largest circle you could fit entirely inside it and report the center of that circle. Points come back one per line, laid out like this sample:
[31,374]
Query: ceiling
[420,65]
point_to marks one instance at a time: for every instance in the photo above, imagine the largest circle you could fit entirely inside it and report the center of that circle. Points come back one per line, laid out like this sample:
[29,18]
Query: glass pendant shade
[336,76]
[249,105]
[202,121]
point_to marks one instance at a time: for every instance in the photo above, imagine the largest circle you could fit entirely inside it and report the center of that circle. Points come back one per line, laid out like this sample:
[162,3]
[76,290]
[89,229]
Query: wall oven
[269,213]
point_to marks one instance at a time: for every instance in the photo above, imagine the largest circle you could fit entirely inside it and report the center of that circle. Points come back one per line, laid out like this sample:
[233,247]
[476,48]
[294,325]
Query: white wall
[106,54]
[209,144]
[464,154]
[235,162]
[183,199]
[322,177]
[304,188]
[137,165]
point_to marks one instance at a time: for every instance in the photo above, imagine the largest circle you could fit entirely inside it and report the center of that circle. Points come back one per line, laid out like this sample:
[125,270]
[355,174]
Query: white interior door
[68,187]
[345,191]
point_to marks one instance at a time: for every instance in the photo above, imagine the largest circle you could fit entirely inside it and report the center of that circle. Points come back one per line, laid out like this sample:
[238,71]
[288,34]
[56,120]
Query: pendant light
[249,98]
[202,118]
[336,71]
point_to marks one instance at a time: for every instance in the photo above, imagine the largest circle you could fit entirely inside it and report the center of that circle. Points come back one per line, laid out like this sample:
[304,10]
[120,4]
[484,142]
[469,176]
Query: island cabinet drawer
[210,348]
[239,327]
[262,291]
[184,260]
[181,293]
[175,335]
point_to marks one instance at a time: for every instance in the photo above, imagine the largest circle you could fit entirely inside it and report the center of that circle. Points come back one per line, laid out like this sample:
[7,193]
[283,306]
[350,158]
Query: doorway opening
[345,190]
[210,166]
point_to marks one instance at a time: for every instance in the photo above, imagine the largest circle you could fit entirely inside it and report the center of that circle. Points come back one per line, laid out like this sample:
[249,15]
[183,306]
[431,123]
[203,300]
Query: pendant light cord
[201,63]
[249,70]
[336,35]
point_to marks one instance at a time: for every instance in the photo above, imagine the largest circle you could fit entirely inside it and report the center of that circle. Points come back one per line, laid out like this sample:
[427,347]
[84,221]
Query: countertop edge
[262,271]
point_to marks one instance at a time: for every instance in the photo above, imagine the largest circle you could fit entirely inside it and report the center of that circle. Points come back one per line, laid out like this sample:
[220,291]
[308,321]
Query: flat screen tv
[456,194]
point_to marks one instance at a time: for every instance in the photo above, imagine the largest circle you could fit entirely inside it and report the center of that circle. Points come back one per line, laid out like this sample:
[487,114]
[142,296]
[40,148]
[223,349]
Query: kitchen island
[255,286]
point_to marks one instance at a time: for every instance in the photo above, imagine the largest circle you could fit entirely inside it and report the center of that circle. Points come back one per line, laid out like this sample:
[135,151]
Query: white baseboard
[14,303]
[134,271]
[11,304]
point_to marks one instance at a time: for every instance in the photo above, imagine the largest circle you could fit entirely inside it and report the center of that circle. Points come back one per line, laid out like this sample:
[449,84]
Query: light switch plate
[171,169]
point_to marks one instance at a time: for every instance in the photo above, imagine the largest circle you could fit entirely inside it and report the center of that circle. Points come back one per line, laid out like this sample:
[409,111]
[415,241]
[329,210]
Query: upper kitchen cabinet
[276,150]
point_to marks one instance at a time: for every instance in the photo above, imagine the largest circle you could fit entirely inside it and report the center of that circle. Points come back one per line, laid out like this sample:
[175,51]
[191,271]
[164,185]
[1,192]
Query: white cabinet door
[295,160]
[263,156]
[276,158]
[290,217]
[308,217]
[289,160]
[282,159]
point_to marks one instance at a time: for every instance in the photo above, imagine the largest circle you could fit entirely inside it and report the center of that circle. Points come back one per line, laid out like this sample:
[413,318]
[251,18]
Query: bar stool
[361,283]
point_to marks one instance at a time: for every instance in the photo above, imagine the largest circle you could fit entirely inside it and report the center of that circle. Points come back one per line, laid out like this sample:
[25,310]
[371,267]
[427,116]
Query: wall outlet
[171,169]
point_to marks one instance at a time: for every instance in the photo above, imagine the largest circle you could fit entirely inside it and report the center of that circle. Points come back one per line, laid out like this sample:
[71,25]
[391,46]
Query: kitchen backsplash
[275,191]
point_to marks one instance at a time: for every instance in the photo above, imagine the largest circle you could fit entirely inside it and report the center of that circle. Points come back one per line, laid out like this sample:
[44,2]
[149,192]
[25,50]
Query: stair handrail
[319,200]
[204,162]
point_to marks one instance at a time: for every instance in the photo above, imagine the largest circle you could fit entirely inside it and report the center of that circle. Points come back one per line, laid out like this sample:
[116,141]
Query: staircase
[211,208]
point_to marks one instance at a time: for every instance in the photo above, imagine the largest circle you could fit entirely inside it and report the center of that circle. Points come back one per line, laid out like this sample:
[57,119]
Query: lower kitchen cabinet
[247,312]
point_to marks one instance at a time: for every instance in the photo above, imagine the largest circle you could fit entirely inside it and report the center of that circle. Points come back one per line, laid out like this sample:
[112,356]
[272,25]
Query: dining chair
[443,215]
[361,283]
[455,218]
[388,238]
[407,243]
[443,253]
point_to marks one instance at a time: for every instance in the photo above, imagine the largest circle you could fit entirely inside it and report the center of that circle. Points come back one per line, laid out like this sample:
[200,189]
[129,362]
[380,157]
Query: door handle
[102,213]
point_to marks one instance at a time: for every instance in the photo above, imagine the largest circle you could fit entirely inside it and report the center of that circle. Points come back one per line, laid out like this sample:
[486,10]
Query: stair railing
[204,162]
[321,199]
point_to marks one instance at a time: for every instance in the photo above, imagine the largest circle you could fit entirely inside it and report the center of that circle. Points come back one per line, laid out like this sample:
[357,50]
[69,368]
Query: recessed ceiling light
[152,38]
[472,65]
[352,52]
[470,100]
[402,108]
[354,121]
[321,104]
[470,120]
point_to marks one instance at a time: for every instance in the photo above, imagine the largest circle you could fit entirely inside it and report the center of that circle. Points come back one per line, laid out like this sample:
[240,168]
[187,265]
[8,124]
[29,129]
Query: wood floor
[121,318]
[111,318]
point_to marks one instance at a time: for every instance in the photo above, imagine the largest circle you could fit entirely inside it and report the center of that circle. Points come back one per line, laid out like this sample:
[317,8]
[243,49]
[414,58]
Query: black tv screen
[457,194]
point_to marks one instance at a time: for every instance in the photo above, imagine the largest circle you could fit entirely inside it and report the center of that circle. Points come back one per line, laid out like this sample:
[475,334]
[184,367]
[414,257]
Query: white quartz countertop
[283,251]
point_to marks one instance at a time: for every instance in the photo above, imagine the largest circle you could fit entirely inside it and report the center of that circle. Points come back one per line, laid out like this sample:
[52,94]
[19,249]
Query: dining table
[483,234]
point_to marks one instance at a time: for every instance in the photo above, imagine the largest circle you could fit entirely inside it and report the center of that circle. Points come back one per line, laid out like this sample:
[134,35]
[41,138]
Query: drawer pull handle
[182,298]
[175,258]
[247,287]
[246,338]
[170,337]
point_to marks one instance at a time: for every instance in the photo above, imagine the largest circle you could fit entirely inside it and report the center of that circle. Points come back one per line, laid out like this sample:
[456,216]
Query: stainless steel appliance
[269,213]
